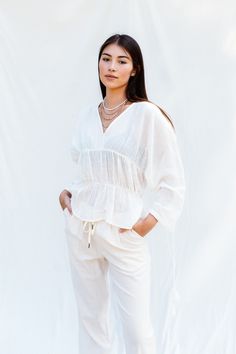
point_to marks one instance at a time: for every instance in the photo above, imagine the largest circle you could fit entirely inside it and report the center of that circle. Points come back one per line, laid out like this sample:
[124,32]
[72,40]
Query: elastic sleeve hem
[155,214]
[168,226]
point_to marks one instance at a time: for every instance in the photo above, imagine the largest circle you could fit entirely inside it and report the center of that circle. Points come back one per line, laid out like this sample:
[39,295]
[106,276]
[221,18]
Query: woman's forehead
[115,50]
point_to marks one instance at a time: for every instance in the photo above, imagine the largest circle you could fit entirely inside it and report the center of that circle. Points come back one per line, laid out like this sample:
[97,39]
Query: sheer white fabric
[138,150]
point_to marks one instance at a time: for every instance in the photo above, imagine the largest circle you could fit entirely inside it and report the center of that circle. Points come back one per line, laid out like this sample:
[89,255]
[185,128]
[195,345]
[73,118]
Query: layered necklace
[109,114]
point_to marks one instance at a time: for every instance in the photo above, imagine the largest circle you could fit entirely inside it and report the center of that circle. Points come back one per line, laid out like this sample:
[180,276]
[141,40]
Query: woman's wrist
[66,192]
[148,223]
[151,220]
[62,197]
[145,225]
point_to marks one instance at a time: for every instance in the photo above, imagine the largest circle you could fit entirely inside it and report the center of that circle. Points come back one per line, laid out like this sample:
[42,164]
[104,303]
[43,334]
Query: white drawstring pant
[96,248]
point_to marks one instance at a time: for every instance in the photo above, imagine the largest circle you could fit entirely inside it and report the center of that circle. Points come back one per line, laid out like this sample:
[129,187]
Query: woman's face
[117,62]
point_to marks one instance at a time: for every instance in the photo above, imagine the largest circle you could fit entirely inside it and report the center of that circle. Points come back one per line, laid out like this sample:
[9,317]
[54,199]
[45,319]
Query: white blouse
[138,150]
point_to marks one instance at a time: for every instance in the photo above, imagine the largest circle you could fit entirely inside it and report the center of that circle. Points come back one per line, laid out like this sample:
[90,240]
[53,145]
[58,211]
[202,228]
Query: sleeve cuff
[155,214]
[169,226]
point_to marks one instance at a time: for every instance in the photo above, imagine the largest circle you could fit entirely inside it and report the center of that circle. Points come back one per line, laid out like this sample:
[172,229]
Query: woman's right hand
[65,200]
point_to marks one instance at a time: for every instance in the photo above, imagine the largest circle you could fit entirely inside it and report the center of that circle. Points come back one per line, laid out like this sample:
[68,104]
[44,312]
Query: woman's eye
[121,61]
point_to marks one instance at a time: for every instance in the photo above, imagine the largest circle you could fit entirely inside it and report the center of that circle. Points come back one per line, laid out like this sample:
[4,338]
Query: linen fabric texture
[138,151]
[116,270]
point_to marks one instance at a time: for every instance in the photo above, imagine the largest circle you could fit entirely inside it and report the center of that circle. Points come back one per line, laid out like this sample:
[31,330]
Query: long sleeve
[165,172]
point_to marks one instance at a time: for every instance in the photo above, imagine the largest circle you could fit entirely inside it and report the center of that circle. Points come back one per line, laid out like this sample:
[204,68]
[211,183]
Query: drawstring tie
[90,230]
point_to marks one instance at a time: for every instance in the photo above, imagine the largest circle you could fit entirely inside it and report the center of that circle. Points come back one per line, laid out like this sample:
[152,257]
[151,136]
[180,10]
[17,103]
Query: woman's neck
[113,99]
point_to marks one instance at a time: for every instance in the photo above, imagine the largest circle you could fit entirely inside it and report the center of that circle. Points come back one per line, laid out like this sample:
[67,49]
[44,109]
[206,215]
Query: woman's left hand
[143,225]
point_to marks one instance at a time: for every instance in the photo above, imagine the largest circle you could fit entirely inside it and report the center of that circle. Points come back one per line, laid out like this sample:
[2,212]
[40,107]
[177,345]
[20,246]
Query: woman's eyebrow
[119,56]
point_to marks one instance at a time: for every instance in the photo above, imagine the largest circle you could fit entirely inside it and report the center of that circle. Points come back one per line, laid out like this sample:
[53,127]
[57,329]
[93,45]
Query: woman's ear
[135,71]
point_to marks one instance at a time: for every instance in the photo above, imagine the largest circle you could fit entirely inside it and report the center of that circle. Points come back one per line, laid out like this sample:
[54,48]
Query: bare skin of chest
[106,120]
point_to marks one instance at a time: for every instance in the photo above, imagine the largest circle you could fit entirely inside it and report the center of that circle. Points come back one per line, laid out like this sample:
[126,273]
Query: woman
[121,146]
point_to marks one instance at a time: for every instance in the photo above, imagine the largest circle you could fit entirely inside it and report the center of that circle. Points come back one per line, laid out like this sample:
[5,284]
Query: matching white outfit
[138,150]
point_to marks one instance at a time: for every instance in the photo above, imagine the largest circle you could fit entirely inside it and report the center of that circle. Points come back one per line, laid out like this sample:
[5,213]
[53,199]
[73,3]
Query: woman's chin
[111,87]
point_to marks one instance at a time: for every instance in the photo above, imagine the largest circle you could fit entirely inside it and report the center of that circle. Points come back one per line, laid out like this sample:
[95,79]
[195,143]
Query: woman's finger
[122,230]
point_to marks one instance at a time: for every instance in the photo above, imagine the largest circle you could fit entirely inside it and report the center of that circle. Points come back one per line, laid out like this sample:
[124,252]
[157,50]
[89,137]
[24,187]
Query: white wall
[48,71]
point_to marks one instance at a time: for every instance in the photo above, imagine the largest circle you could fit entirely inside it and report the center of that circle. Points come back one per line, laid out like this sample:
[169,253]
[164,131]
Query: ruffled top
[138,150]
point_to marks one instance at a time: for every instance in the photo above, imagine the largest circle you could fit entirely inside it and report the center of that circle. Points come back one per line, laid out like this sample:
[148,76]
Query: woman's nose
[112,67]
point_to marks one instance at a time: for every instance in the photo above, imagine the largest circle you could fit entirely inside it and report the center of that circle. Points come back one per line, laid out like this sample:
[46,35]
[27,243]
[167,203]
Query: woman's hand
[65,200]
[143,225]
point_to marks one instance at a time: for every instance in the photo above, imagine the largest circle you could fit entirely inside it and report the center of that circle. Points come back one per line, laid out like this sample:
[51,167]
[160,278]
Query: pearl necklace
[109,117]
[111,109]
[109,120]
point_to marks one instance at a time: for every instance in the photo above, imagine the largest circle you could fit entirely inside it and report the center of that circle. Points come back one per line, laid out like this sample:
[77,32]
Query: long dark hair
[135,90]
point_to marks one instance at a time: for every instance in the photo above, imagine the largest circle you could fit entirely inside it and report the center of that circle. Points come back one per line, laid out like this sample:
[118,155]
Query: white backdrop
[48,70]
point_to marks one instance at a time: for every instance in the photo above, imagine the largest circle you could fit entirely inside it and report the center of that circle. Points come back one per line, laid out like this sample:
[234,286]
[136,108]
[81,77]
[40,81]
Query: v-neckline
[117,118]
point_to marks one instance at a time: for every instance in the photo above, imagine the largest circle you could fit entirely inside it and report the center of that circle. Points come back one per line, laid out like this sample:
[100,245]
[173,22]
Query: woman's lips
[111,77]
